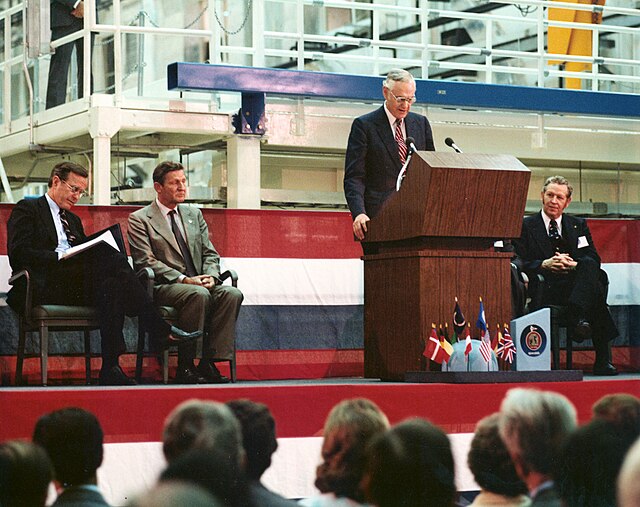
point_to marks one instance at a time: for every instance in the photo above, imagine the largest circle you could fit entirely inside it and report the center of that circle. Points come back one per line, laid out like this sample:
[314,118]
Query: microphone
[411,144]
[449,142]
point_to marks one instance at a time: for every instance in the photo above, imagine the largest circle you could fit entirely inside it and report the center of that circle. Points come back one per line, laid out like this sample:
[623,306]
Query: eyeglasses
[75,190]
[402,100]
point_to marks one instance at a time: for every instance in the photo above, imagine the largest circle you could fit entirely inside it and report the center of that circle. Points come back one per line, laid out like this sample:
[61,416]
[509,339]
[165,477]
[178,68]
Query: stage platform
[132,419]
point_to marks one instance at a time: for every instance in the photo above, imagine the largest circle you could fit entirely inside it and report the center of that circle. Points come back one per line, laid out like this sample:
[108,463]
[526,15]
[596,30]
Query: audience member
[534,425]
[259,442]
[620,409]
[629,478]
[493,469]
[348,430]
[411,464]
[211,427]
[175,494]
[589,464]
[73,439]
[25,474]
[214,469]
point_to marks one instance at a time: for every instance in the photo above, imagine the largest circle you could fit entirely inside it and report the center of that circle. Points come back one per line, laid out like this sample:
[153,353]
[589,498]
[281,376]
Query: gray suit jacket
[153,244]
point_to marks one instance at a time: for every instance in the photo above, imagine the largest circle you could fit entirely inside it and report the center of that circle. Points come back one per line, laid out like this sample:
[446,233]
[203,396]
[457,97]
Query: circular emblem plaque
[533,340]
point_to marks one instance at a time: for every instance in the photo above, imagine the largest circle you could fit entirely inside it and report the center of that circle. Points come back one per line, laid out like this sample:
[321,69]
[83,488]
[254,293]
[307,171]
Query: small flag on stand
[459,322]
[446,344]
[510,347]
[485,338]
[468,346]
[432,344]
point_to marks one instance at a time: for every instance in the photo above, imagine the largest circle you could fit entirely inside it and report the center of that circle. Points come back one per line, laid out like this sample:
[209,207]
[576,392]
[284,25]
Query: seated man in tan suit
[173,240]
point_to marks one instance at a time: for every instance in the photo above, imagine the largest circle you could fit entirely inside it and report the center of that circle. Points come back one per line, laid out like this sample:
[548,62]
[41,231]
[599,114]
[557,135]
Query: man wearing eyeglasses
[376,149]
[40,231]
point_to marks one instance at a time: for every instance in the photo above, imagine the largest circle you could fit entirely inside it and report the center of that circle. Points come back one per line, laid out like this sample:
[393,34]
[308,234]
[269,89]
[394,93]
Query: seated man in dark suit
[73,437]
[40,231]
[560,247]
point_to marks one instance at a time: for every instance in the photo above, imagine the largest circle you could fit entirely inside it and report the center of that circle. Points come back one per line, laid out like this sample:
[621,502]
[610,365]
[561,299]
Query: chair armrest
[28,295]
[147,278]
[230,273]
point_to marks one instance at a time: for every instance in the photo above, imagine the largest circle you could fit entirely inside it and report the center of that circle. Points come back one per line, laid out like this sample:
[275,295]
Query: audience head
[258,435]
[73,439]
[198,424]
[622,410]
[349,428]
[629,478]
[25,474]
[534,425]
[175,494]
[589,464]
[411,464]
[213,469]
[490,462]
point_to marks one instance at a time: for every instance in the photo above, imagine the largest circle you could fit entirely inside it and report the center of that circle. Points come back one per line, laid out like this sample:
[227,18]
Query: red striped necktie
[402,147]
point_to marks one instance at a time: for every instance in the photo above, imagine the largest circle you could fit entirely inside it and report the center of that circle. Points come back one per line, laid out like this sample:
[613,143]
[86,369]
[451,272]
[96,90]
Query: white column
[105,122]
[243,172]
[102,170]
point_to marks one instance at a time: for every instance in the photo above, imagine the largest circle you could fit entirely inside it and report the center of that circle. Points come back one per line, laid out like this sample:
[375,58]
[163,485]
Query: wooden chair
[170,315]
[43,318]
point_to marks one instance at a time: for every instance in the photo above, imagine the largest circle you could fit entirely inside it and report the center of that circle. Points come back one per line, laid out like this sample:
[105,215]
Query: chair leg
[165,366]
[569,352]
[87,356]
[140,352]
[22,336]
[555,344]
[232,365]
[44,352]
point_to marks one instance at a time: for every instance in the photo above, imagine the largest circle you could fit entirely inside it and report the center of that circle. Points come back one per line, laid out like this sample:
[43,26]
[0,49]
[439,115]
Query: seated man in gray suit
[172,239]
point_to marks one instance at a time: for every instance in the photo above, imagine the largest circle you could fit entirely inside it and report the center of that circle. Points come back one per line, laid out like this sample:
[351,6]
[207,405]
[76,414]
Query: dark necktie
[554,233]
[71,238]
[184,249]
[402,147]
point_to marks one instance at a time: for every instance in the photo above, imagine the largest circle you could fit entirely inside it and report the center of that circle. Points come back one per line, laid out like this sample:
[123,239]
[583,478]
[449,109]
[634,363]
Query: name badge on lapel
[582,242]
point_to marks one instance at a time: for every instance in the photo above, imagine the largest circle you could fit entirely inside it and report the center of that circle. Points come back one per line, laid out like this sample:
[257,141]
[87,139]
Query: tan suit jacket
[153,244]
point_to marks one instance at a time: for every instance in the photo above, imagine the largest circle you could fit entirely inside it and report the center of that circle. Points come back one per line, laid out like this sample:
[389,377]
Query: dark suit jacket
[534,245]
[372,161]
[31,244]
[153,244]
[80,497]
[61,14]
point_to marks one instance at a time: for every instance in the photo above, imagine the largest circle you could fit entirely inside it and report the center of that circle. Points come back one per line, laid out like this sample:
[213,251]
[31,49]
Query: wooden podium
[434,241]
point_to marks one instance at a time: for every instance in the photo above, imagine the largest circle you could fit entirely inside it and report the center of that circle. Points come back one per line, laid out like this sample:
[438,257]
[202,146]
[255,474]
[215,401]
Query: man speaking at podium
[559,247]
[40,231]
[376,150]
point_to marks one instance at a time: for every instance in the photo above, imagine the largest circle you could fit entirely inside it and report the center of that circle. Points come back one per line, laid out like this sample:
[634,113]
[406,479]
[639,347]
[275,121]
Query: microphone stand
[403,171]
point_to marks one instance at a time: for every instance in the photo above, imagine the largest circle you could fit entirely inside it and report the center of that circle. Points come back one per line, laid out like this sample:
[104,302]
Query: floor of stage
[132,418]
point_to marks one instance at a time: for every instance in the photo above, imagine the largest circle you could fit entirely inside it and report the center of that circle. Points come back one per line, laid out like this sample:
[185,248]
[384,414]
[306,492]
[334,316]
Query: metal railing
[136,45]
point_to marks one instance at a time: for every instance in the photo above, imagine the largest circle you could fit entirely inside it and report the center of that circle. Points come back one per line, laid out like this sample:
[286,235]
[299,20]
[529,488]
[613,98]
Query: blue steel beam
[331,86]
